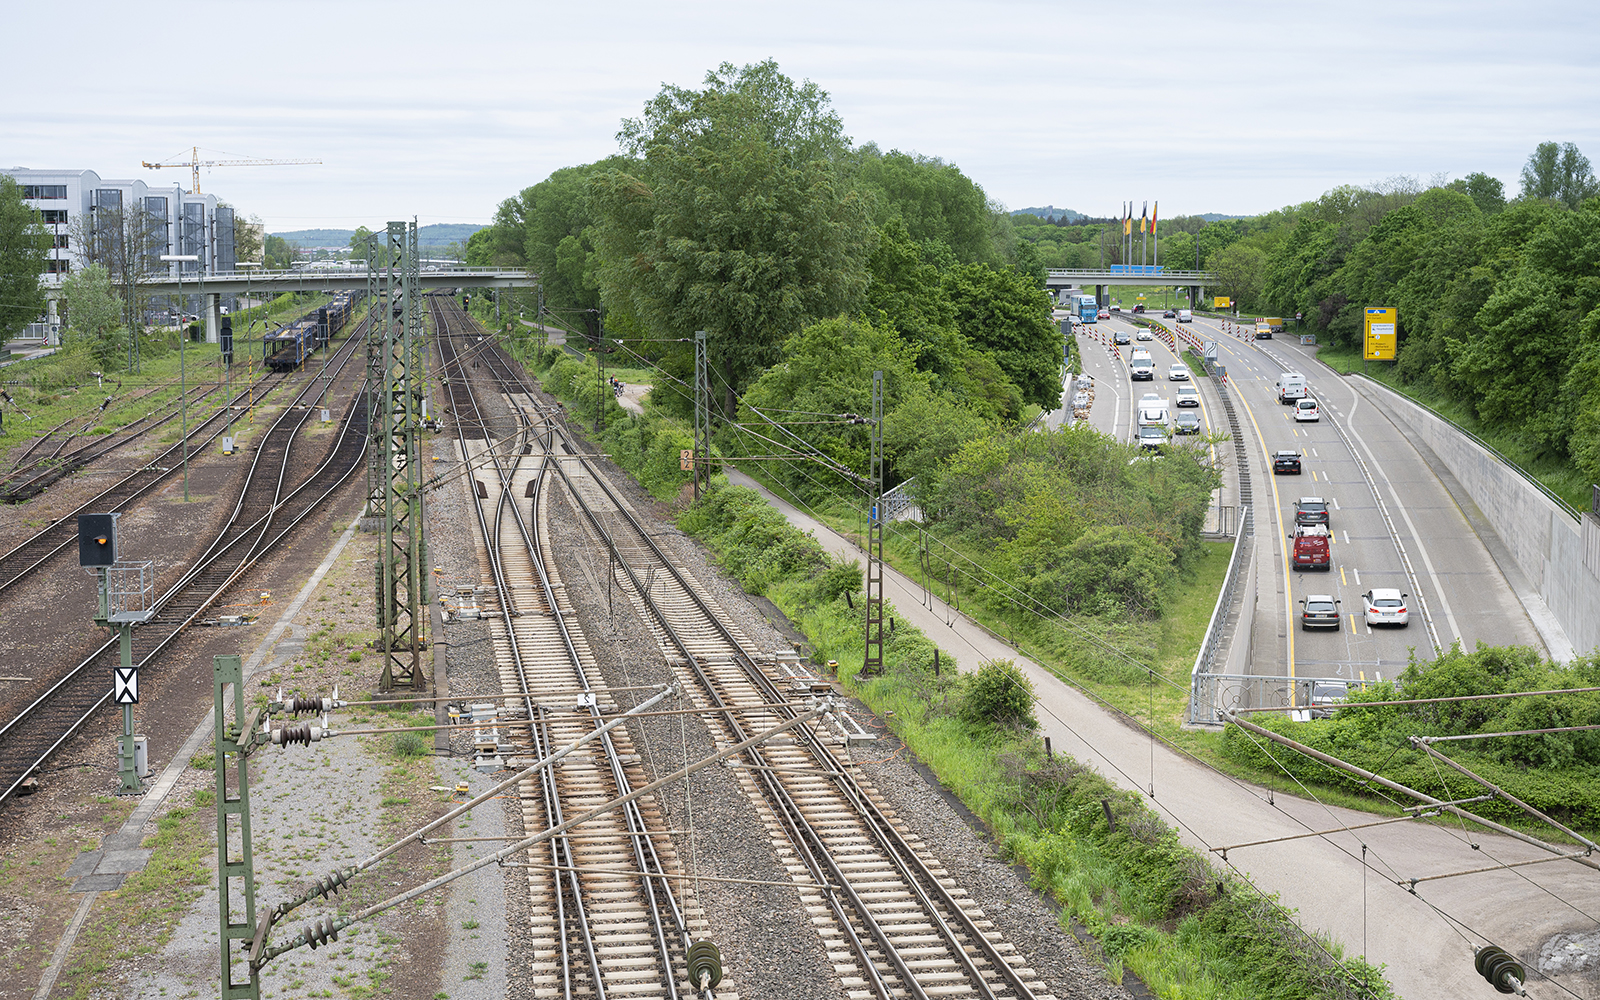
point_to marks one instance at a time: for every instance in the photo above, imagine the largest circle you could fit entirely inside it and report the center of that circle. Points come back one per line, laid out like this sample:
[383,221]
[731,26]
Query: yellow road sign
[1380,324]
[1222,302]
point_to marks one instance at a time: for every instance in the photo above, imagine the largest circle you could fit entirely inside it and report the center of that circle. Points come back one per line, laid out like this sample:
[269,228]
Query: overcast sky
[441,110]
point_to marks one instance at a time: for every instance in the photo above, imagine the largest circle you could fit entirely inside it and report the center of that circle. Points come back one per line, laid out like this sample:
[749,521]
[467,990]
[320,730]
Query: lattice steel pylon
[702,414]
[394,423]
[872,662]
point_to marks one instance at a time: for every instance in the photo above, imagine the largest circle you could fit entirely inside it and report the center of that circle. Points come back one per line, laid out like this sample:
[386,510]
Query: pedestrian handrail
[898,500]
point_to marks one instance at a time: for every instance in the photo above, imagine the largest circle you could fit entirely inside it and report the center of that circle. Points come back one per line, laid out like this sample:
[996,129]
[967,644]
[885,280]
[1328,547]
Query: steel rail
[654,890]
[61,525]
[259,547]
[913,871]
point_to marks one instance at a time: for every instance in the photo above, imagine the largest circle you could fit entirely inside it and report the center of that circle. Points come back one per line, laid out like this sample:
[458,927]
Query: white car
[1188,395]
[1145,335]
[1178,373]
[1305,410]
[1385,607]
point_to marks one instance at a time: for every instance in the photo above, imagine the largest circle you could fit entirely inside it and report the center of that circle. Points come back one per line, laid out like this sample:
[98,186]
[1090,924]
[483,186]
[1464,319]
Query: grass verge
[1158,908]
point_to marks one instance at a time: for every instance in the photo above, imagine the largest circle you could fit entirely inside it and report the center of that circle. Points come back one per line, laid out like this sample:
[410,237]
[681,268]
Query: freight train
[287,348]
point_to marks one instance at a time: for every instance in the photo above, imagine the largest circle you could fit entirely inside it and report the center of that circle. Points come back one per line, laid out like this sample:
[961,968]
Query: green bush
[999,695]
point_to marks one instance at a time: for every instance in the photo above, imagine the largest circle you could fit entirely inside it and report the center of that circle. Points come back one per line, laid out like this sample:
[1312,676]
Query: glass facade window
[57,266]
[52,216]
[222,239]
[107,198]
[45,192]
[61,241]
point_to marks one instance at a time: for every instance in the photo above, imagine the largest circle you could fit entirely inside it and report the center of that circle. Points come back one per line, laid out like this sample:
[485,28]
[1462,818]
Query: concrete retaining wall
[1559,556]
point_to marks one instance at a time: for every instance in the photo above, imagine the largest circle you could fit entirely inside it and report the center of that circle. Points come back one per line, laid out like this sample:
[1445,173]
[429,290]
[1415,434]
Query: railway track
[599,930]
[61,534]
[270,505]
[30,476]
[893,922]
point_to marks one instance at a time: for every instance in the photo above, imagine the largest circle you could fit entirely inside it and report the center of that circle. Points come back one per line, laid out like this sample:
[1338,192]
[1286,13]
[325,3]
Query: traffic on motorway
[1350,513]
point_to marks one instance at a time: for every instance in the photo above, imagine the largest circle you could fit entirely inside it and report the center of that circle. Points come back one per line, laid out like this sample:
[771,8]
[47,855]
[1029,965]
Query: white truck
[1154,411]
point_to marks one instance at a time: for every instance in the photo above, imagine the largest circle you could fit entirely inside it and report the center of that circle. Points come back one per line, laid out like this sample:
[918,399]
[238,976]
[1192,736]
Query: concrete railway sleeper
[898,926]
[599,932]
[265,514]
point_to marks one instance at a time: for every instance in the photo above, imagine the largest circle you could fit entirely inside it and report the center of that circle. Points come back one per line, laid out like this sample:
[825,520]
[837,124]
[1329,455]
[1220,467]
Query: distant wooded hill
[437,235]
[1051,213]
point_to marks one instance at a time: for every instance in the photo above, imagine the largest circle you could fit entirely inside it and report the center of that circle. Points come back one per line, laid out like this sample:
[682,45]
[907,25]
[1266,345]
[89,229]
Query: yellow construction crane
[195,163]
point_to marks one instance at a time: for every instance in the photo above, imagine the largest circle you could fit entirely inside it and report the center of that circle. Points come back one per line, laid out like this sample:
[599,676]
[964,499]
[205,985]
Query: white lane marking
[1335,501]
[1346,535]
[1357,572]
[1422,549]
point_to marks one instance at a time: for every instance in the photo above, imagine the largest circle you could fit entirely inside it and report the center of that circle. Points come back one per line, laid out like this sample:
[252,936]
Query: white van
[1185,316]
[1290,387]
[1141,367]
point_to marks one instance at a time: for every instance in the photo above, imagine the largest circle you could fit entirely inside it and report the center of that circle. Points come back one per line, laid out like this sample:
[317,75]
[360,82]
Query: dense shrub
[999,695]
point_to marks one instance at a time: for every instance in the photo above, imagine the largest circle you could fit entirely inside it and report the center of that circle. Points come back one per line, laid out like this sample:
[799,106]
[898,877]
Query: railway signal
[125,593]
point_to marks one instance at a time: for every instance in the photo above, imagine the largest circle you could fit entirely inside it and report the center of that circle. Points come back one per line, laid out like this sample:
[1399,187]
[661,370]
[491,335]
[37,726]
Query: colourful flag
[1144,210]
[1127,219]
[1153,213]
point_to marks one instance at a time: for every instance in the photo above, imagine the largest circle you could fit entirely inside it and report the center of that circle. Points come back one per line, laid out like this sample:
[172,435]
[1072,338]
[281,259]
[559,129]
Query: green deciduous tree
[932,199]
[559,241]
[1486,192]
[1241,271]
[23,243]
[1559,172]
[1003,313]
[740,219]
[93,312]
[827,372]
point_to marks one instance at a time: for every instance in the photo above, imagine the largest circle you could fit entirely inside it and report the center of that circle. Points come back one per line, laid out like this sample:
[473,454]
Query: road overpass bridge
[330,279]
[1102,278]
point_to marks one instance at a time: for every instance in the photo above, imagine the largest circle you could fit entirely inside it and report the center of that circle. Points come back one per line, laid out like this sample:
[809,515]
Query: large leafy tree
[827,372]
[1559,172]
[559,241]
[1240,268]
[94,313]
[739,220]
[1003,313]
[932,199]
[23,242]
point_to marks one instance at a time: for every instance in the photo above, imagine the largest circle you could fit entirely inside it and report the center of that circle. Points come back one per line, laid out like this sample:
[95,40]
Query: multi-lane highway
[1394,520]
[1430,545]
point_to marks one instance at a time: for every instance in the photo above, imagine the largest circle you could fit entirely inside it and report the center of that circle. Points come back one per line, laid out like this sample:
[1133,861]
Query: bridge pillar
[212,319]
[1194,296]
[1101,296]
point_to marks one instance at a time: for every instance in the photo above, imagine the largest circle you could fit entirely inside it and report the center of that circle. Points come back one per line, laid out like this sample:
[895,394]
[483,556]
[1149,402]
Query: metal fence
[1214,693]
[1213,641]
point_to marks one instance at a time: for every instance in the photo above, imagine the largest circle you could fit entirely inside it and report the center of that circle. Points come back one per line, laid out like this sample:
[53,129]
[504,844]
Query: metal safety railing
[1213,639]
[1215,693]
[898,501]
